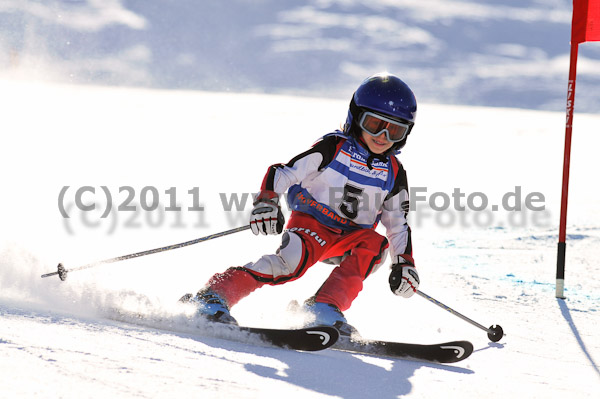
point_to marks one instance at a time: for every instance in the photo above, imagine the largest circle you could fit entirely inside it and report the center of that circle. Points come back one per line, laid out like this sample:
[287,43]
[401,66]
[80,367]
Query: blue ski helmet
[386,95]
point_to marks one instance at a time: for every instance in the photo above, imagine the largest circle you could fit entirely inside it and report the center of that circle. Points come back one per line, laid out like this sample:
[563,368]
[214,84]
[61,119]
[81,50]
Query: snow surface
[510,53]
[57,340]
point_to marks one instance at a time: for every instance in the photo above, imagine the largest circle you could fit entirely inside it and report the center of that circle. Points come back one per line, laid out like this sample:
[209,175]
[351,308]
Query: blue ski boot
[327,314]
[210,305]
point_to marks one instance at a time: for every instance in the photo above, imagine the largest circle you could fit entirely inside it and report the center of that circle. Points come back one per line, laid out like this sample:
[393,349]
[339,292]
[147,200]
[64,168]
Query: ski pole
[495,333]
[62,272]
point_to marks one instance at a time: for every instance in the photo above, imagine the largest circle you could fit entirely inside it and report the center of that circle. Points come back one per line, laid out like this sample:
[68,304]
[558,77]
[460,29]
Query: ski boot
[327,314]
[210,306]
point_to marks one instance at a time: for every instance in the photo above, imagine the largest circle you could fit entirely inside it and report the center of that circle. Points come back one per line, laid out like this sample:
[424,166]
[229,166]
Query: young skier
[338,191]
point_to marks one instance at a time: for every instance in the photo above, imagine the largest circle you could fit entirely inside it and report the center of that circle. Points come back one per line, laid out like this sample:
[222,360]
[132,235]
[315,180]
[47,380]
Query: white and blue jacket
[343,186]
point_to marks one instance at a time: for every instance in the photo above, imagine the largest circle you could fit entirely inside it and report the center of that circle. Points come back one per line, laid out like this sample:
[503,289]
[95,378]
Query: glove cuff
[403,260]
[267,196]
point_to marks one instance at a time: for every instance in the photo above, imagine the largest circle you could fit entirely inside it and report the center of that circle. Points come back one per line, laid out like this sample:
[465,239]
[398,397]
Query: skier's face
[377,145]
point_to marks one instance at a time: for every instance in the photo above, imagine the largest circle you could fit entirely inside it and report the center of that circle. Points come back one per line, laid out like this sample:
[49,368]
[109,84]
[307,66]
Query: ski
[447,352]
[302,339]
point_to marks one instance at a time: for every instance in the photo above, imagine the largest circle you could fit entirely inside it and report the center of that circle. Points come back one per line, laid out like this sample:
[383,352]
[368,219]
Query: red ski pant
[306,242]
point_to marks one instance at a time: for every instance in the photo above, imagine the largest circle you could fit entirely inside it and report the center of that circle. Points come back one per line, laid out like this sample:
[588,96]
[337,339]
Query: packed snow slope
[200,150]
[509,53]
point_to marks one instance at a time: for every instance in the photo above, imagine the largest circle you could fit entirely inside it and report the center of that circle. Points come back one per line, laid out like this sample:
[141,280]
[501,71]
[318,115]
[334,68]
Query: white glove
[266,217]
[404,279]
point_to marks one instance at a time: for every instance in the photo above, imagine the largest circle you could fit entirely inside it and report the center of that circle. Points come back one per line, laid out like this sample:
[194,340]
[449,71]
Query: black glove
[266,217]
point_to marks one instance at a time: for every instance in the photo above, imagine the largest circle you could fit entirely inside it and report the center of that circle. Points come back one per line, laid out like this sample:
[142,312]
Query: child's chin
[378,150]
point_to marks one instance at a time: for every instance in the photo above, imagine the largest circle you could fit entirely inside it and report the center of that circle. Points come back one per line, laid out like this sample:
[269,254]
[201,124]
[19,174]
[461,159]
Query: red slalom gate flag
[585,28]
[586,21]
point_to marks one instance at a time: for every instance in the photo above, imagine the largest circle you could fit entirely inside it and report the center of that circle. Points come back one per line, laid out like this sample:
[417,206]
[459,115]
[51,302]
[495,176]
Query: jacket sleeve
[280,177]
[394,218]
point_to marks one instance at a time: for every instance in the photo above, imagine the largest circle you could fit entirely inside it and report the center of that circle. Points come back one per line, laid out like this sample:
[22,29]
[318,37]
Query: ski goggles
[375,125]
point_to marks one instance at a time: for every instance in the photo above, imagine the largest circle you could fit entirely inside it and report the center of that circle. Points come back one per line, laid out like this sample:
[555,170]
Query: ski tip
[327,335]
[304,339]
[460,350]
